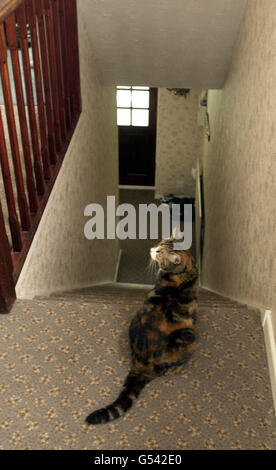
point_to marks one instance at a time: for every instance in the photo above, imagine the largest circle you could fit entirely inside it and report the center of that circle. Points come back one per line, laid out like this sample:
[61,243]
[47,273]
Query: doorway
[136,118]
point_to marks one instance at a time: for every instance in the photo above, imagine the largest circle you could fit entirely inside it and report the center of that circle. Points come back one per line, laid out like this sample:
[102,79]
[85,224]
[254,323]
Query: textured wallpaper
[179,142]
[240,167]
[60,256]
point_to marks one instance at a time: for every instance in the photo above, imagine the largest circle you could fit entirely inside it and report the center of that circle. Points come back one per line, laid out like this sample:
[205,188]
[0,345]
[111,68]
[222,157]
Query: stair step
[133,296]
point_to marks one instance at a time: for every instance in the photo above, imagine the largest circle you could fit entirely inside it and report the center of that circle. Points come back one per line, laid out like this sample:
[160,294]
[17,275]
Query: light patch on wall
[179,143]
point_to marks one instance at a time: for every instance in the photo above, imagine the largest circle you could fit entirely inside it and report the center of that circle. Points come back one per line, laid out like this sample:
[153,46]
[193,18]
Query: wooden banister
[22,31]
[30,16]
[53,70]
[60,80]
[7,289]
[5,166]
[4,72]
[65,60]
[39,60]
[12,42]
[46,80]
[7,7]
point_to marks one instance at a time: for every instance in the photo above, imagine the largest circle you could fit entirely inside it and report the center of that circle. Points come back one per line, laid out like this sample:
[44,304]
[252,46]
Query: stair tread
[133,296]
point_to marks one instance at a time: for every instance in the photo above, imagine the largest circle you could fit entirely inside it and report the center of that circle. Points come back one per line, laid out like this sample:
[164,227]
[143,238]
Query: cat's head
[169,259]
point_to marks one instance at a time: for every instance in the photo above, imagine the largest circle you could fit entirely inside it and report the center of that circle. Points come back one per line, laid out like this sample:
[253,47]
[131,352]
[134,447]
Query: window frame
[131,108]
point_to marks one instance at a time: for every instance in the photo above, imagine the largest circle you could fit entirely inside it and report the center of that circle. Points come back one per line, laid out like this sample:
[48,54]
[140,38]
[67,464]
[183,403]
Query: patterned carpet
[61,358]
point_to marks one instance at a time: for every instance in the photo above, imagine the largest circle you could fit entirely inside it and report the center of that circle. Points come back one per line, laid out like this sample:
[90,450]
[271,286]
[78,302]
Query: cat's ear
[175,259]
[176,233]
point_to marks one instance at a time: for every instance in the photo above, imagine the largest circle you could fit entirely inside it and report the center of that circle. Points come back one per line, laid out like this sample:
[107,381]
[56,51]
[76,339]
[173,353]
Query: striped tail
[132,387]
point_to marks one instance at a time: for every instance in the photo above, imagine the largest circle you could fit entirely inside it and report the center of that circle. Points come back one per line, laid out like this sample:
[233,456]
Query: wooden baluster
[12,42]
[22,31]
[46,80]
[72,39]
[66,72]
[53,73]
[7,288]
[70,62]
[76,82]
[13,219]
[30,16]
[22,202]
[60,80]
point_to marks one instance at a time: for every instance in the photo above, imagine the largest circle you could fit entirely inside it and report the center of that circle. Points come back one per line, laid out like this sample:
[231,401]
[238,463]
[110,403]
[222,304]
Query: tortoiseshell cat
[161,334]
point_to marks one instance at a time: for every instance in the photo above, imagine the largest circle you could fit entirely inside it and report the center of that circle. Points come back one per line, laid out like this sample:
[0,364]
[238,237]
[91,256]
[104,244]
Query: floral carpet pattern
[63,357]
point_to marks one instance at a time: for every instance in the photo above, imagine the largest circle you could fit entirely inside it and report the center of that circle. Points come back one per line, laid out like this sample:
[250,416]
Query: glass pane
[140,99]
[123,117]
[140,87]
[140,117]
[124,87]
[123,99]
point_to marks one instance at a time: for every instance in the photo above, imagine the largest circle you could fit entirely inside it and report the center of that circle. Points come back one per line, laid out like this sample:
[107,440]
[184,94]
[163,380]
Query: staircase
[63,356]
[40,105]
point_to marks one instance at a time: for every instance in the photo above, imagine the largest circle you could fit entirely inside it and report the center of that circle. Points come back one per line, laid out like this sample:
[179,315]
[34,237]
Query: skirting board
[270,350]
[140,188]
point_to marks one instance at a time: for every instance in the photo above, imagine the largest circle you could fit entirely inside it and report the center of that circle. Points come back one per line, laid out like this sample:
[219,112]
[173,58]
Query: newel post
[7,287]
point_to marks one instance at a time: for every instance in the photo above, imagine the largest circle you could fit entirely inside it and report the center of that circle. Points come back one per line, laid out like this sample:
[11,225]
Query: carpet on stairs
[63,357]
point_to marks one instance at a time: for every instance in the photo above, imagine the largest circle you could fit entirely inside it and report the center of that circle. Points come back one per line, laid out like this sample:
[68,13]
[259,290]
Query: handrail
[7,7]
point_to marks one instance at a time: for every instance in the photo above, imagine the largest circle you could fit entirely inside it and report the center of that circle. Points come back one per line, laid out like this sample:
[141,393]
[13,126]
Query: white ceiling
[163,43]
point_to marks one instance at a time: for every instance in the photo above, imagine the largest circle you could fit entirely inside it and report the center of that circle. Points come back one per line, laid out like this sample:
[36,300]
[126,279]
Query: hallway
[65,356]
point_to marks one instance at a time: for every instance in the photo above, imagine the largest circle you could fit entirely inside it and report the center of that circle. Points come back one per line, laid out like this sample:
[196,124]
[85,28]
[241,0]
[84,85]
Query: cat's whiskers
[152,267]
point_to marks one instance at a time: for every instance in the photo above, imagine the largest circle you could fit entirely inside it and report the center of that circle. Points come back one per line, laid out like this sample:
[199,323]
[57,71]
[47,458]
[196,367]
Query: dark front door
[137,137]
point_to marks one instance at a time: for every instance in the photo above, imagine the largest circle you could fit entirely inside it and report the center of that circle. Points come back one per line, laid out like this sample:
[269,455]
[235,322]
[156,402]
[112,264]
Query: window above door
[133,104]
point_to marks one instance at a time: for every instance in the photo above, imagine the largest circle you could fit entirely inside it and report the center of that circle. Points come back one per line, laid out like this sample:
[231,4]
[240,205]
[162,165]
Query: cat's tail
[133,385]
